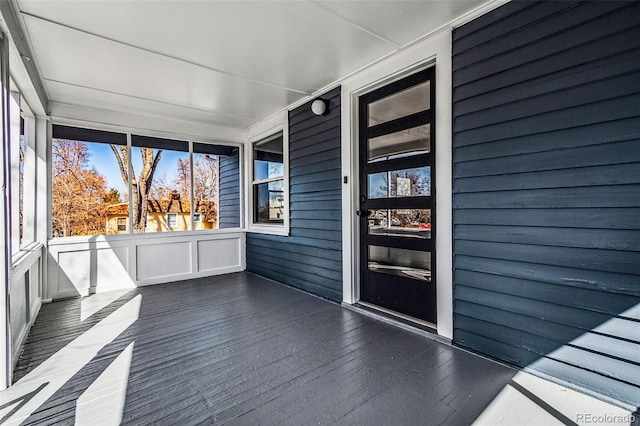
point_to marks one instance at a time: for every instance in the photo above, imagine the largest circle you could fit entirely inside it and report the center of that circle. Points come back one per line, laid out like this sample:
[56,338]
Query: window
[172,220]
[268,183]
[121,223]
[102,184]
[89,186]
[17,147]
[206,185]
[162,166]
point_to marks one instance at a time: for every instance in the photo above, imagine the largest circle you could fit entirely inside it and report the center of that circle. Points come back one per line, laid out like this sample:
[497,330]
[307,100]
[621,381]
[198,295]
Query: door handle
[363,212]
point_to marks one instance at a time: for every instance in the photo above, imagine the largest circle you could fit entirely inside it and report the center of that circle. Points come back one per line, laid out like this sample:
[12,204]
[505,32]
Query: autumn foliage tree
[78,192]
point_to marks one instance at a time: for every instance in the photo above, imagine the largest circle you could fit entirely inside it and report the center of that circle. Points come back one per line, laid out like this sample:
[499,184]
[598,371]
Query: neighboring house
[164,215]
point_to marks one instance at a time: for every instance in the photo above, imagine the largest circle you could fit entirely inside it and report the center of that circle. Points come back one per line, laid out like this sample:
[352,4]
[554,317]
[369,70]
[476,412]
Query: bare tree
[205,177]
[140,186]
[182,180]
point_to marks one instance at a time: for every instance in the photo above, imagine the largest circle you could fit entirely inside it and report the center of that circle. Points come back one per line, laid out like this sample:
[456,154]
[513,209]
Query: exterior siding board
[229,197]
[547,191]
[310,258]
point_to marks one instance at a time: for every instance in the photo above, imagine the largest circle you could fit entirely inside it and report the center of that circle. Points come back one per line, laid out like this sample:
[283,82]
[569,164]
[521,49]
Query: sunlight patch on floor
[531,400]
[103,402]
[93,304]
[39,385]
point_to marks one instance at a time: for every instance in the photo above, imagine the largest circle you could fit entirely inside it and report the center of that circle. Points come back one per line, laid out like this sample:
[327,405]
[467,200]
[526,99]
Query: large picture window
[102,184]
[161,184]
[86,183]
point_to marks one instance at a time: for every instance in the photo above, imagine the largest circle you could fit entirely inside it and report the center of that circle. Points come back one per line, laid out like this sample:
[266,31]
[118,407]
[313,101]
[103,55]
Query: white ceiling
[224,63]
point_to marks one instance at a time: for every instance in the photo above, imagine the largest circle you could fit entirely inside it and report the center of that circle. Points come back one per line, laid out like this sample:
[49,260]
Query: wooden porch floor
[238,349]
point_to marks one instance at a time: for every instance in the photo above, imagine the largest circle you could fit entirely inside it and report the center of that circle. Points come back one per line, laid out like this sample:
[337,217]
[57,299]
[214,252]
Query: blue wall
[547,191]
[310,258]
[229,191]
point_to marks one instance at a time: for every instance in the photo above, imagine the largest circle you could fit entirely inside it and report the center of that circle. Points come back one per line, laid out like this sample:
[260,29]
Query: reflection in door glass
[404,143]
[400,104]
[401,262]
[400,183]
[414,223]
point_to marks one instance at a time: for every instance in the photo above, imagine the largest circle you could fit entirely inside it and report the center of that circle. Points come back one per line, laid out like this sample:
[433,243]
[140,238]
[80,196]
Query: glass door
[397,202]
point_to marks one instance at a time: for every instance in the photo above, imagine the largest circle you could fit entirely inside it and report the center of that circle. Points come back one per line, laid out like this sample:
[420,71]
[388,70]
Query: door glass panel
[414,182]
[415,223]
[401,262]
[404,143]
[400,104]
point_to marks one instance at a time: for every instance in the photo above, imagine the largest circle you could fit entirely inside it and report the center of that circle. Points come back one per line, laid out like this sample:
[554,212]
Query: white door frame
[434,51]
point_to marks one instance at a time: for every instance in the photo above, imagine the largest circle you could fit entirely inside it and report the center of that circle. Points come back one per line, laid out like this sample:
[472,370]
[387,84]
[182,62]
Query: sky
[104,161]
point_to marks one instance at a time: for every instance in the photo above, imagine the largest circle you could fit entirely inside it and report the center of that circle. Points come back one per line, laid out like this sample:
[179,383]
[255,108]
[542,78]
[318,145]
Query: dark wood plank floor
[239,349]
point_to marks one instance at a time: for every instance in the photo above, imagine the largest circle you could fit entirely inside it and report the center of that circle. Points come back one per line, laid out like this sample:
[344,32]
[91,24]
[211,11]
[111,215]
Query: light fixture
[319,106]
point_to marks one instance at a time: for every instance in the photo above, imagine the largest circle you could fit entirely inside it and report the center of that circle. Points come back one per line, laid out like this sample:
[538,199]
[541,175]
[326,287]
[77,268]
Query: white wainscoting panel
[112,269]
[74,273]
[18,308]
[163,260]
[26,295]
[214,255]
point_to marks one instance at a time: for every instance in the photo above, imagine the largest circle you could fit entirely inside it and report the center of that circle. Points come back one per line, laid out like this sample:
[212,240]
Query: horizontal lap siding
[547,191]
[229,214]
[310,258]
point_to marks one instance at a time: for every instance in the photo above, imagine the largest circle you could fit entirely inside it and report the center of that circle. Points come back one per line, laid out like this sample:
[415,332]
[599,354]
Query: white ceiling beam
[172,57]
[357,26]
[141,98]
[22,61]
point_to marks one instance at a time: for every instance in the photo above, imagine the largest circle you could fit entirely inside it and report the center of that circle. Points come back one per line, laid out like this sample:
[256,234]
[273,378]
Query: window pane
[400,104]
[401,222]
[88,186]
[167,175]
[400,183]
[400,144]
[401,262]
[268,158]
[269,202]
[205,190]
[21,184]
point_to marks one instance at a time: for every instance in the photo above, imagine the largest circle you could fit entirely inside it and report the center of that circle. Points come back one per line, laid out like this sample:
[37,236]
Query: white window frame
[269,127]
[169,220]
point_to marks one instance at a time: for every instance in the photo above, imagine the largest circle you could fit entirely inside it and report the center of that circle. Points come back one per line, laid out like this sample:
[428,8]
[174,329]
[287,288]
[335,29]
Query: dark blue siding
[309,258]
[229,197]
[547,191]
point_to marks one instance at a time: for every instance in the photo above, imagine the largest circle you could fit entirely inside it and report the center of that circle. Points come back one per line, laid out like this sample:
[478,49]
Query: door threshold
[396,319]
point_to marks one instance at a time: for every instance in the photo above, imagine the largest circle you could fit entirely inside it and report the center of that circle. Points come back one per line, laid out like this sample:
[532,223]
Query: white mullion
[129,185]
[269,180]
[192,201]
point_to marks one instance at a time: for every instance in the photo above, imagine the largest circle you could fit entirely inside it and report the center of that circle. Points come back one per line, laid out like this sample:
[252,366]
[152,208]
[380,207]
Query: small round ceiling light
[319,106]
